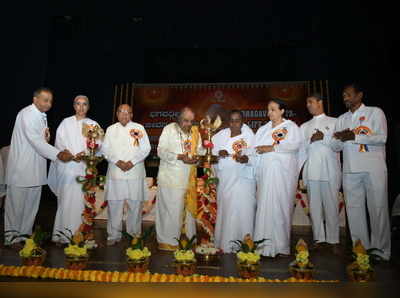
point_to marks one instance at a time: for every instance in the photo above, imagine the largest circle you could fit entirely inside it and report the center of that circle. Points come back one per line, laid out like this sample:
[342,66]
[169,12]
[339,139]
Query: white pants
[116,193]
[323,198]
[21,207]
[370,188]
[169,216]
[133,219]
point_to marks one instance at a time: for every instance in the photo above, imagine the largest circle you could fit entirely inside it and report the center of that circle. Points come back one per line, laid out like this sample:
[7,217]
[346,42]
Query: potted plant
[138,255]
[32,254]
[185,261]
[76,253]
[301,267]
[360,270]
[247,259]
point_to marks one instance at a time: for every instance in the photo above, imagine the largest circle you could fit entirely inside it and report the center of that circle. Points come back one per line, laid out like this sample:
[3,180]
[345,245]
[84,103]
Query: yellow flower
[363,261]
[26,251]
[75,250]
[249,257]
[137,254]
[184,255]
[302,258]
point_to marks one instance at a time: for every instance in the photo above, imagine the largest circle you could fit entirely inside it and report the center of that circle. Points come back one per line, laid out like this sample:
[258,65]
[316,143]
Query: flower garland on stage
[207,201]
[115,276]
[91,182]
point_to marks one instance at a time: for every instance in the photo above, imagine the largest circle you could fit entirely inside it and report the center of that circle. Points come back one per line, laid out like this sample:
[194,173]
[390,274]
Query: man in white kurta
[361,133]
[174,149]
[125,146]
[236,186]
[321,173]
[26,166]
[62,176]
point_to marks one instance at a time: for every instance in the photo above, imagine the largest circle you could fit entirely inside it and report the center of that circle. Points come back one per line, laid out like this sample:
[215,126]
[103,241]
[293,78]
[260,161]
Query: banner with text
[157,105]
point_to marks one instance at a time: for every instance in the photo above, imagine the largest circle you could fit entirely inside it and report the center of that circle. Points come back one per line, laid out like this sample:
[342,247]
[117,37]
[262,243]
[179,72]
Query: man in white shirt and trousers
[361,133]
[321,174]
[125,146]
[26,166]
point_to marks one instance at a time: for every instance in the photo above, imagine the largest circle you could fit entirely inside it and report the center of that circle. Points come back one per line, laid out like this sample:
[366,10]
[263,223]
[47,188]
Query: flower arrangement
[91,182]
[32,254]
[247,259]
[185,260]
[361,269]
[138,255]
[301,267]
[207,253]
[76,252]
[129,277]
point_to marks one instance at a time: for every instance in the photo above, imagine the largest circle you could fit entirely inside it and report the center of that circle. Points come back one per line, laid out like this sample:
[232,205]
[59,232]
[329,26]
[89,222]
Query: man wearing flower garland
[321,174]
[125,146]
[26,166]
[361,133]
[178,149]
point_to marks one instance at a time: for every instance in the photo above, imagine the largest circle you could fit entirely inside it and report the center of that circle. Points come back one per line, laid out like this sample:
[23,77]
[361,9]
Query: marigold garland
[115,276]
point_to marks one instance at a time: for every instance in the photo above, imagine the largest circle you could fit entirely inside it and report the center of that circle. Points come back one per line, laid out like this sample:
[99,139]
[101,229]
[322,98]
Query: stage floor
[328,266]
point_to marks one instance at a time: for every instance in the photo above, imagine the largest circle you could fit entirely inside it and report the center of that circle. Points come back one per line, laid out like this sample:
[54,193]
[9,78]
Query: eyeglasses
[124,112]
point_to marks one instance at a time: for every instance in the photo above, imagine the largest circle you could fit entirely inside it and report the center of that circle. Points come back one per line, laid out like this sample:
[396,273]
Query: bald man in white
[125,146]
[176,160]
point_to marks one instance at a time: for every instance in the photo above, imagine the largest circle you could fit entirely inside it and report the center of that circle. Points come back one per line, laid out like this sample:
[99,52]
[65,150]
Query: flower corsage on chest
[136,134]
[362,129]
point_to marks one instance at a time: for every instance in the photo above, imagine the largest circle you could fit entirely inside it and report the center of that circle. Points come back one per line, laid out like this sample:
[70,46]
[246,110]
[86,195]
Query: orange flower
[359,247]
[247,240]
[78,237]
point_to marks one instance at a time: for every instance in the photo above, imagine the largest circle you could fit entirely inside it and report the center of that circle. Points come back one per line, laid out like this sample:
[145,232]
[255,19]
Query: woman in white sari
[62,176]
[277,168]
[236,188]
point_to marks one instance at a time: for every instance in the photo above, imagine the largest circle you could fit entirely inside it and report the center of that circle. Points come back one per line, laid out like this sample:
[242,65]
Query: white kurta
[321,175]
[235,191]
[173,179]
[277,174]
[130,185]
[62,176]
[26,169]
[365,177]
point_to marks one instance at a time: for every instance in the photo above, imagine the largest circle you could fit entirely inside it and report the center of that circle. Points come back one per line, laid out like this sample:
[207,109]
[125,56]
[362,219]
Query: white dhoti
[117,192]
[323,198]
[169,217]
[236,208]
[21,208]
[370,188]
[70,205]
